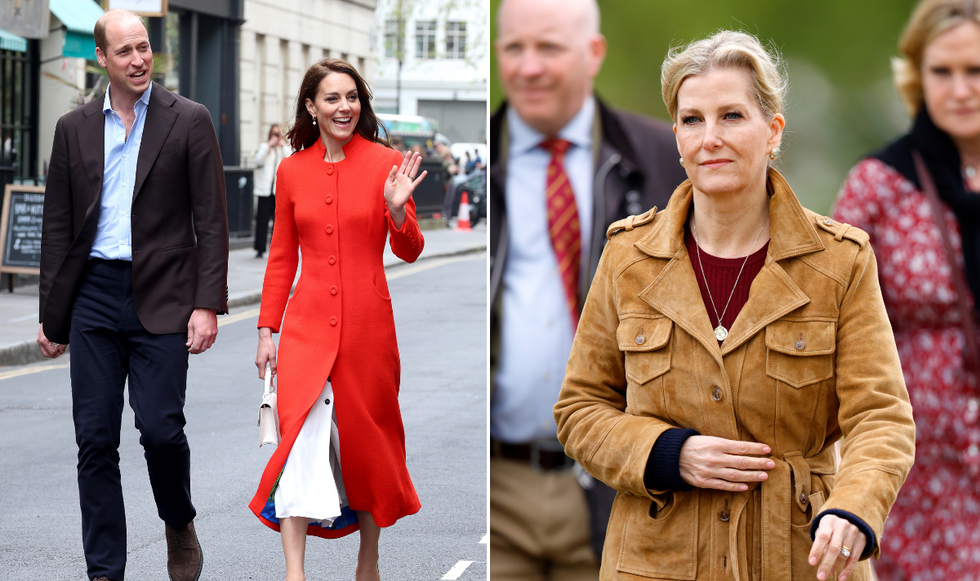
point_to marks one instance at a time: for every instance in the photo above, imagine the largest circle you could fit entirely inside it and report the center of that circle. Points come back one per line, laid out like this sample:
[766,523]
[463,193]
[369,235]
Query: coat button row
[333,321]
[716,393]
[333,290]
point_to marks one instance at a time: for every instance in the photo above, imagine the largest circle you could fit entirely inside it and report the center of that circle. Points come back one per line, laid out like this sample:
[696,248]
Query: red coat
[340,323]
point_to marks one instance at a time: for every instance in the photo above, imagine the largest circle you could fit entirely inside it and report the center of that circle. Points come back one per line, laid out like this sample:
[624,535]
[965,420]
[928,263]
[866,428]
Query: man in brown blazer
[134,264]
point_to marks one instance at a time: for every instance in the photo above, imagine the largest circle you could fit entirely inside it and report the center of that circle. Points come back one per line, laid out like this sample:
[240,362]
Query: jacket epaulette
[630,222]
[841,231]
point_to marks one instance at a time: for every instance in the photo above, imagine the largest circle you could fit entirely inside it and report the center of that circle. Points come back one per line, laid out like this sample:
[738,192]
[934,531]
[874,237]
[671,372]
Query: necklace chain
[720,331]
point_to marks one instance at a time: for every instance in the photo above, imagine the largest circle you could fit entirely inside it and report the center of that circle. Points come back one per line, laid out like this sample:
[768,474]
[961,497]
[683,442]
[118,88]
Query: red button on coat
[332,259]
[329,229]
[330,170]
[329,199]
[333,321]
[333,290]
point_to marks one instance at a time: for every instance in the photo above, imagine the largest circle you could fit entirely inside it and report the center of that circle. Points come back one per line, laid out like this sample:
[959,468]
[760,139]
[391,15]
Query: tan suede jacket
[810,358]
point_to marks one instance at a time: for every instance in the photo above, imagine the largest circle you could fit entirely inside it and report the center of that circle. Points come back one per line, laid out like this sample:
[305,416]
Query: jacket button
[716,393]
[640,339]
[327,401]
[330,170]
[802,498]
[333,321]
[332,259]
[828,221]
[800,344]
[333,290]
[329,228]
[329,199]
[724,515]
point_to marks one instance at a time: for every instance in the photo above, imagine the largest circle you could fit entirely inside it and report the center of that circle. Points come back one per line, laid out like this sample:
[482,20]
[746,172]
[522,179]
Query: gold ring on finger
[846,552]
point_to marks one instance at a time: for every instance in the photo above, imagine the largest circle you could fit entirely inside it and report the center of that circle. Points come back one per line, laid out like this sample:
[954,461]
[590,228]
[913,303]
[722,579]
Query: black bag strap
[971,354]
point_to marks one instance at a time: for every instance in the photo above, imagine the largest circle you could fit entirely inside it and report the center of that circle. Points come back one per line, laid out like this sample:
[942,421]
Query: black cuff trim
[663,471]
[855,520]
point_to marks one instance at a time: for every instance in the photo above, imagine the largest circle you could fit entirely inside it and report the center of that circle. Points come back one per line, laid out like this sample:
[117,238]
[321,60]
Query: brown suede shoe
[184,557]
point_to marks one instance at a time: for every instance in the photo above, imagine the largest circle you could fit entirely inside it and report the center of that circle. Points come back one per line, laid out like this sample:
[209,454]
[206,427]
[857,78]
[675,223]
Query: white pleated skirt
[311,484]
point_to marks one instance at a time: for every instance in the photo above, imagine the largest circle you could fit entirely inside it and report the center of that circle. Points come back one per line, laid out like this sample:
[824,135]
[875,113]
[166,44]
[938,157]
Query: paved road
[440,315]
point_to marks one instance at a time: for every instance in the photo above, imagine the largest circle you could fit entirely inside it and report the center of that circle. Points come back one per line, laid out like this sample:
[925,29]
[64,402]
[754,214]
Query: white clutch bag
[268,413]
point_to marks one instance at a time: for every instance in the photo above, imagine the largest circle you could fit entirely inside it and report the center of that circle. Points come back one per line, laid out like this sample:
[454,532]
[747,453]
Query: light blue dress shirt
[114,235]
[536,327]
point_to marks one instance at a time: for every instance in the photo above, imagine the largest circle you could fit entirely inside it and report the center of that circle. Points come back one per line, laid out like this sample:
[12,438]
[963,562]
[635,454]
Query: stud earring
[682,162]
[772,154]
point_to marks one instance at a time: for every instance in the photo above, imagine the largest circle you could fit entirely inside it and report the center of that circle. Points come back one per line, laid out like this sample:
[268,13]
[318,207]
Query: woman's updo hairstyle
[929,19]
[726,49]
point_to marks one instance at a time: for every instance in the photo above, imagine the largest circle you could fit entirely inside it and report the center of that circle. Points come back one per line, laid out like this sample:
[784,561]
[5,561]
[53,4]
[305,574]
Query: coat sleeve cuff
[855,520]
[663,471]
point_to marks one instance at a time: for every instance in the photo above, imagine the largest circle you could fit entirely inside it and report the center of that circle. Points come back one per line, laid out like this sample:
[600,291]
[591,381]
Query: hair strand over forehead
[727,49]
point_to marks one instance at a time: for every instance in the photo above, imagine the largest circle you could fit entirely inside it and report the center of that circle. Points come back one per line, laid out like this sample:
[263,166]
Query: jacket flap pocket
[643,334]
[802,338]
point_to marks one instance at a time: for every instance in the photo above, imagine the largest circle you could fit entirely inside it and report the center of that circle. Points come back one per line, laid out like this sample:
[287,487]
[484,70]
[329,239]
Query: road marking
[456,571]
[29,370]
[429,264]
[227,320]
[485,539]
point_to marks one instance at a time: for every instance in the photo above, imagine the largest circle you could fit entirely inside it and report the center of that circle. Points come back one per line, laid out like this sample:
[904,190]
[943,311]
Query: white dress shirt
[536,326]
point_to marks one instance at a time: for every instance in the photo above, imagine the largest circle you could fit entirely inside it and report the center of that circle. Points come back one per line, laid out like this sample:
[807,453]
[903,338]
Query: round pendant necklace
[720,331]
[969,172]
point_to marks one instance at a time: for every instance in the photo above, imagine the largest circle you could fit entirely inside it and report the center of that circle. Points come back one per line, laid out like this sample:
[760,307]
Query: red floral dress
[933,531]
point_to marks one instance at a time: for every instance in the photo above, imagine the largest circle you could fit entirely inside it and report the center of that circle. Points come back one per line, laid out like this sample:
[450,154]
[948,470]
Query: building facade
[432,60]
[280,39]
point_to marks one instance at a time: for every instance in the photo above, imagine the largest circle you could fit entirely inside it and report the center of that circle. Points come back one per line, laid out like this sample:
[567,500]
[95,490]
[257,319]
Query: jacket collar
[675,291]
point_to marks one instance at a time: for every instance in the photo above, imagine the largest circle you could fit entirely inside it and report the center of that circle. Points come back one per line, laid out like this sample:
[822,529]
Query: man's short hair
[100,25]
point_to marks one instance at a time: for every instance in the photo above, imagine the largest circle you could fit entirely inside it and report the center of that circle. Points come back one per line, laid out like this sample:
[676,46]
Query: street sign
[141,7]
[20,229]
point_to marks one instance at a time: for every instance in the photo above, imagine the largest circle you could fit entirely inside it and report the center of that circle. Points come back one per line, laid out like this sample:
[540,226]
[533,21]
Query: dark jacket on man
[179,220]
[636,168]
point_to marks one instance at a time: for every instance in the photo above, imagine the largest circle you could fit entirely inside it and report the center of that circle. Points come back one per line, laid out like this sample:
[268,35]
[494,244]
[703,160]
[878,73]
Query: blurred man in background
[563,167]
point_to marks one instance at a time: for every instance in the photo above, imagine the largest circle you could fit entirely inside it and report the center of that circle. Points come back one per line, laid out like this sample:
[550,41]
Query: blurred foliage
[841,106]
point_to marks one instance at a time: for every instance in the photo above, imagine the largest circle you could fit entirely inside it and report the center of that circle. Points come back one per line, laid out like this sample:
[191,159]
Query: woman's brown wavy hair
[304,134]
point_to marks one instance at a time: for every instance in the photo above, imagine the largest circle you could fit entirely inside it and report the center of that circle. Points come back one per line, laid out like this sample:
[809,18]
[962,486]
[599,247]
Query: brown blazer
[179,220]
[809,360]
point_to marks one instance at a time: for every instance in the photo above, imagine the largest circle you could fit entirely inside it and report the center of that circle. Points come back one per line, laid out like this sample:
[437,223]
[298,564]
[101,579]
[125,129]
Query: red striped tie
[563,224]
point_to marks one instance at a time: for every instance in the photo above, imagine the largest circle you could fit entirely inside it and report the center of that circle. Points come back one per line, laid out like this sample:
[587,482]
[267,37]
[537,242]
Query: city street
[440,316]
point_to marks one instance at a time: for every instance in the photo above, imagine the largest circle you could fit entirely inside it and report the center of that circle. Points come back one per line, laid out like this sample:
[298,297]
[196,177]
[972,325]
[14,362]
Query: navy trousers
[108,344]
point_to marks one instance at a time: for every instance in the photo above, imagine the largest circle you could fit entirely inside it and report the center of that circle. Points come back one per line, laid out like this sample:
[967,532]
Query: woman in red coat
[340,465]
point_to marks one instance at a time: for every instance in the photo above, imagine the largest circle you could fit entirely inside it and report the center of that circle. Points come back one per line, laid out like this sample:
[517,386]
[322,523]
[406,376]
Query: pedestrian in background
[928,249]
[267,160]
[728,342]
[570,167]
[340,196]
[134,286]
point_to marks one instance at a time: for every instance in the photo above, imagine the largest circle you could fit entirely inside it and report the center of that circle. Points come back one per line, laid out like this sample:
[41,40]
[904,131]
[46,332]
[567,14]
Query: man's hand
[48,349]
[202,330]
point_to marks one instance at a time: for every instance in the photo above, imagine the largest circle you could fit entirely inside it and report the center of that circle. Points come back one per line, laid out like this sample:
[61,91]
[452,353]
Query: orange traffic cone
[463,223]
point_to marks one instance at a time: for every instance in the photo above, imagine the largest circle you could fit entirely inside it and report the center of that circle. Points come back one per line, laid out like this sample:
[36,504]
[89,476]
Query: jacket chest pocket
[800,353]
[644,341]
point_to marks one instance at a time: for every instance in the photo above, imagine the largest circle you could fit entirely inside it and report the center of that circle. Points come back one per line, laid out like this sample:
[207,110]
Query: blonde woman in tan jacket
[727,343]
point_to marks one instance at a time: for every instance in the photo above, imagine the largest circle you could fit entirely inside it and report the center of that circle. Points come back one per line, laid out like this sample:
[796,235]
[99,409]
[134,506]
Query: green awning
[79,17]
[10,41]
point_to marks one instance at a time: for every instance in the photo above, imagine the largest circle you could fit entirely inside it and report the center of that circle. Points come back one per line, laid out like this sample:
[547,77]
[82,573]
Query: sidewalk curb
[28,352]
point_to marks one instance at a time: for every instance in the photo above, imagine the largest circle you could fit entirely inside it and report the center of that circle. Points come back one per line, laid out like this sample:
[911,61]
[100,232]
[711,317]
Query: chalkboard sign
[20,229]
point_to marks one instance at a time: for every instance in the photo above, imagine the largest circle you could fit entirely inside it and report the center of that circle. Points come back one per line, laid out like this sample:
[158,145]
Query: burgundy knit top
[719,276]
